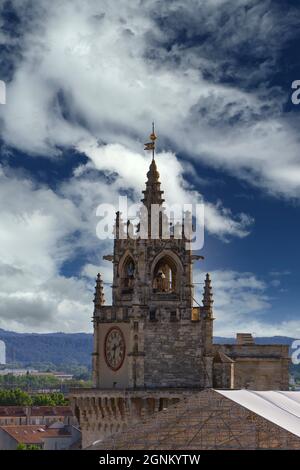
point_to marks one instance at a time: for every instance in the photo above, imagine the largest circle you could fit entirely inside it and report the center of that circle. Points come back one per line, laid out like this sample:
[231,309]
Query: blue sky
[84,82]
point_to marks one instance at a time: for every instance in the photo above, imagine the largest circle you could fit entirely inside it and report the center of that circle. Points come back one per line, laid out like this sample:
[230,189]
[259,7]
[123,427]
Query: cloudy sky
[84,81]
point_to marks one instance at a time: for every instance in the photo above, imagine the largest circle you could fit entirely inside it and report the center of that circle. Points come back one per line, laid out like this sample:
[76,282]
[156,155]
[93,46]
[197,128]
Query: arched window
[128,273]
[165,275]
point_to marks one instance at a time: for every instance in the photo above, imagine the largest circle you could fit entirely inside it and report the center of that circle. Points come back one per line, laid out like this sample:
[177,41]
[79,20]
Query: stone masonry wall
[173,354]
[259,367]
[102,413]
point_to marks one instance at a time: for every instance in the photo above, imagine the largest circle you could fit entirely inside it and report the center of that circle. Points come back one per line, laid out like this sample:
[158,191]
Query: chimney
[244,339]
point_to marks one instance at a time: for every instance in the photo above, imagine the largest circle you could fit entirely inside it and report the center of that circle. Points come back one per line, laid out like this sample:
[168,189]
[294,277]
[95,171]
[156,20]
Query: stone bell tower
[153,346]
[152,336]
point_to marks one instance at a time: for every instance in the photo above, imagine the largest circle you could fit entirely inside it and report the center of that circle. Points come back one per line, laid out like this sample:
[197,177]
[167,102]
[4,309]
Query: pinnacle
[99,294]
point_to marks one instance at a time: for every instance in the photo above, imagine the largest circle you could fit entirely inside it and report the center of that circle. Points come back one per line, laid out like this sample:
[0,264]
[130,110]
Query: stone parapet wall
[102,413]
[109,313]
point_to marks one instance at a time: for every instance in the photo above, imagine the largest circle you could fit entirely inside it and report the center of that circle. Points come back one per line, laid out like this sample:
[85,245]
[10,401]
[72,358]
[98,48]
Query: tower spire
[99,299]
[207,293]
[153,193]
[151,145]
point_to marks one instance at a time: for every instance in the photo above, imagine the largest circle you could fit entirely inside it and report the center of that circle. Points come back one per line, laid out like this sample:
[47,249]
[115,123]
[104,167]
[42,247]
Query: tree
[59,399]
[43,399]
[49,399]
[14,398]
[22,446]
[18,397]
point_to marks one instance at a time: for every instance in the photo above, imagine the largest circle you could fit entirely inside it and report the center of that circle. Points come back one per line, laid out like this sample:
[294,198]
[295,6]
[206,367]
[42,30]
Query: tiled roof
[20,411]
[51,411]
[220,357]
[12,411]
[30,434]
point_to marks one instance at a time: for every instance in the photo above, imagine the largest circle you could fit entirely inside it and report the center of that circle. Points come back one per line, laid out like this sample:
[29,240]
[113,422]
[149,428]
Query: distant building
[2,352]
[18,372]
[54,437]
[62,376]
[45,415]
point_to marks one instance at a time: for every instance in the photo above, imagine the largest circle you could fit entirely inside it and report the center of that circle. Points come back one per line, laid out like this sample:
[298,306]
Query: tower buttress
[99,299]
[207,293]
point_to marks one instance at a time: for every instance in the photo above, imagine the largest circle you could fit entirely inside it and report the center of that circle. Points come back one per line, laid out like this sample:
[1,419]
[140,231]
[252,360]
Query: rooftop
[34,434]
[216,419]
[20,411]
[279,407]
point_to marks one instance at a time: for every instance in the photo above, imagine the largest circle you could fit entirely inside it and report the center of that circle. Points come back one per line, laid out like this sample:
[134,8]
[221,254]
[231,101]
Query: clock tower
[153,346]
[152,336]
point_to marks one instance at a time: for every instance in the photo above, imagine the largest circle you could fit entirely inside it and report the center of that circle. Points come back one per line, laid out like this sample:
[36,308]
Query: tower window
[128,273]
[164,279]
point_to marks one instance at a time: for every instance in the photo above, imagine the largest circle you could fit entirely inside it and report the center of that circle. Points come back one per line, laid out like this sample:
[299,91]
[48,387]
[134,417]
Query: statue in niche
[130,269]
[129,274]
[160,281]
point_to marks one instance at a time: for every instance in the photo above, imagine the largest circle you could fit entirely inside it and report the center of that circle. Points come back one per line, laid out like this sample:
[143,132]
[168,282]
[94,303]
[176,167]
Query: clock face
[114,348]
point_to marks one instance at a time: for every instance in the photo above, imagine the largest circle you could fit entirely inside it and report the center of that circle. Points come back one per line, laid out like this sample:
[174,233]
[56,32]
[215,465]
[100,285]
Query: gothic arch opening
[165,275]
[128,273]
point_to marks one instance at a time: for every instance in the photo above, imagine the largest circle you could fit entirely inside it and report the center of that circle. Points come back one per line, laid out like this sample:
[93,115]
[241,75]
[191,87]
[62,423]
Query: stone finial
[207,293]
[99,299]
[153,193]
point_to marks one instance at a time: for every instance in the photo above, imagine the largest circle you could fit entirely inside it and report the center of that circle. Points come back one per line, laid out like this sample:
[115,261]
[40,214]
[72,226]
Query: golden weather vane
[151,145]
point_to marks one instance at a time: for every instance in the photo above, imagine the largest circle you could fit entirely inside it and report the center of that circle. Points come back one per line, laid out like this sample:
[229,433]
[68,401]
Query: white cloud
[35,231]
[131,168]
[41,230]
[242,304]
[105,70]
[106,269]
[238,296]
[37,238]
[219,220]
